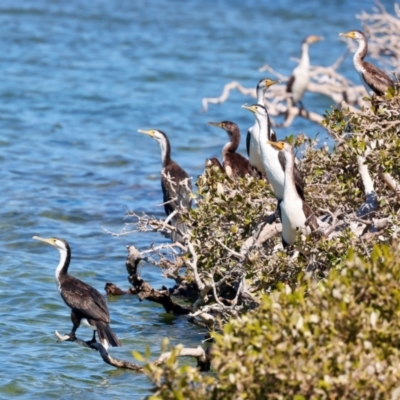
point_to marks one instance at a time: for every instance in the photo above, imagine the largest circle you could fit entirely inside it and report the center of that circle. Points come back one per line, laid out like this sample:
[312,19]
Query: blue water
[78,79]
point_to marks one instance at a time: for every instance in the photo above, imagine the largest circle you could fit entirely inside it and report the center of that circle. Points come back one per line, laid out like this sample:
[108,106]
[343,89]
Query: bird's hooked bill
[150,132]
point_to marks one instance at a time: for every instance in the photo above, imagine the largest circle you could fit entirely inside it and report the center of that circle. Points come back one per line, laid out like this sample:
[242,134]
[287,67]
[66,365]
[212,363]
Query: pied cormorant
[274,164]
[252,143]
[175,184]
[86,303]
[297,83]
[295,212]
[372,77]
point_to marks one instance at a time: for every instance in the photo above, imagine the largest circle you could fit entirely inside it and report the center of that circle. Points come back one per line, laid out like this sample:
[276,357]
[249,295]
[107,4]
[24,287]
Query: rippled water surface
[78,79]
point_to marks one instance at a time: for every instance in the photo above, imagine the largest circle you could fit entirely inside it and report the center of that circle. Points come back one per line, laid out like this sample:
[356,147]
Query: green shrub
[331,334]
[334,339]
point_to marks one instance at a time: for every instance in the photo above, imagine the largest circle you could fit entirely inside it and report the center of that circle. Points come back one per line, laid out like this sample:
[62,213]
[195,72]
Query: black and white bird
[273,162]
[371,76]
[253,146]
[86,303]
[297,83]
[175,184]
[296,214]
[234,164]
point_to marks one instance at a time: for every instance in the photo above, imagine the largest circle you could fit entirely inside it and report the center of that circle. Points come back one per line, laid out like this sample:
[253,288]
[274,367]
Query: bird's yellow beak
[250,108]
[348,34]
[270,82]
[217,124]
[50,241]
[277,145]
[150,132]
[315,39]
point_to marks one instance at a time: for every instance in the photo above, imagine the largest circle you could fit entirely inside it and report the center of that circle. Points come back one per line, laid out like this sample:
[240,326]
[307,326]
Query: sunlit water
[78,79]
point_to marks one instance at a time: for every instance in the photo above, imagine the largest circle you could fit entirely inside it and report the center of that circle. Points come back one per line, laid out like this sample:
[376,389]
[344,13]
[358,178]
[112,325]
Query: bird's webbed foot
[90,343]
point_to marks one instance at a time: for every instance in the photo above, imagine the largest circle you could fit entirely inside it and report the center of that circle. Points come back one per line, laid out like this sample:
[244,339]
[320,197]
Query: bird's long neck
[234,135]
[289,190]
[165,151]
[260,95]
[62,267]
[264,126]
[360,54]
[305,58]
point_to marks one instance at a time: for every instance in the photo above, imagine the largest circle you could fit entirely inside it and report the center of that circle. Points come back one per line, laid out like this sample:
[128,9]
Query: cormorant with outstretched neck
[86,303]
[372,77]
[297,83]
[253,146]
[175,184]
[274,164]
[295,212]
[234,164]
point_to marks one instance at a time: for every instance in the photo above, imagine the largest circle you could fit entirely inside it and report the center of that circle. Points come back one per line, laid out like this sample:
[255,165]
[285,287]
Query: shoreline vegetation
[320,320]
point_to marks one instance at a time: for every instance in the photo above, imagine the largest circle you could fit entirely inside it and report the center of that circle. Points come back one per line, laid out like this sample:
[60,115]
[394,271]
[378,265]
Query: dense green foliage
[327,324]
[334,339]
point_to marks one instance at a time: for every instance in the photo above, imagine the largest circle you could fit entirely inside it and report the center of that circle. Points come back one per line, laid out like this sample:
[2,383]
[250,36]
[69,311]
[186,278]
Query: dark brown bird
[372,77]
[86,303]
[214,163]
[175,184]
[234,164]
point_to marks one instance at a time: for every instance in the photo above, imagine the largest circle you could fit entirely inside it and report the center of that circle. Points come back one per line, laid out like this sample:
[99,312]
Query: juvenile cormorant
[252,143]
[86,303]
[295,212]
[372,77]
[177,189]
[214,163]
[298,82]
[274,164]
[235,165]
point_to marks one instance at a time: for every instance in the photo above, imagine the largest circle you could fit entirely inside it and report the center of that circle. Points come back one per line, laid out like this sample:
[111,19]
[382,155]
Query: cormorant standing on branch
[297,83]
[274,164]
[372,76]
[175,184]
[295,212]
[235,165]
[86,303]
[253,146]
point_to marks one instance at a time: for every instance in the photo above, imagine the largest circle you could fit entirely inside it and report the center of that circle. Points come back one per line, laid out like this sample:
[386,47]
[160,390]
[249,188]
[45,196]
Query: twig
[233,252]
[390,181]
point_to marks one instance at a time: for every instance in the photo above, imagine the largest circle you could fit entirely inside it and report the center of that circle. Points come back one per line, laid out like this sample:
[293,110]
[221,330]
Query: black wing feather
[376,79]
[248,138]
[85,299]
[298,177]
[171,190]
[289,84]
[311,218]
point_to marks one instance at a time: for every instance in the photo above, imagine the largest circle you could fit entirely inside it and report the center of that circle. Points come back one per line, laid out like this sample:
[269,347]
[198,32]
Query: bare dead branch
[203,362]
[390,181]
[144,291]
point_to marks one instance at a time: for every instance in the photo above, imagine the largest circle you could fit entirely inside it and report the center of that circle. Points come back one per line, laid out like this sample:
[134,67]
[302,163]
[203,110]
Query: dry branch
[203,360]
[144,291]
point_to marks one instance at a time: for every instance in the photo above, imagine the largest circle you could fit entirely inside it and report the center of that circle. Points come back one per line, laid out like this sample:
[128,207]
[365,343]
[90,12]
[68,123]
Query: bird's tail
[181,229]
[106,336]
